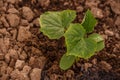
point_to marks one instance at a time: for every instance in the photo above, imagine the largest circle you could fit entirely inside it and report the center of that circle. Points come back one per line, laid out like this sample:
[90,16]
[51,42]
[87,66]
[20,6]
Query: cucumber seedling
[78,43]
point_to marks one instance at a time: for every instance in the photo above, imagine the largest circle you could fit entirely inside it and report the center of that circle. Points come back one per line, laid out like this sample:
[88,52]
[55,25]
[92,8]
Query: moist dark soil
[27,54]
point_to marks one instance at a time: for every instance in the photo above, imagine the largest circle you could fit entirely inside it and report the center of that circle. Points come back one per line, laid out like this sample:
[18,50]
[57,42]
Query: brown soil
[26,54]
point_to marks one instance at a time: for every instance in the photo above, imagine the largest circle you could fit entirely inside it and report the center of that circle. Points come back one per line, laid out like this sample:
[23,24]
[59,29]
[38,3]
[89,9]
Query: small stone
[79,9]
[23,55]
[70,73]
[23,33]
[19,64]
[11,1]
[97,12]
[44,3]
[12,63]
[92,3]
[117,35]
[13,53]
[37,62]
[3,69]
[9,70]
[24,22]
[115,6]
[36,22]
[14,33]
[27,13]
[13,11]
[7,58]
[4,21]
[106,66]
[87,65]
[36,51]
[117,22]
[15,74]
[26,69]
[35,74]
[31,61]
[4,45]
[13,20]
[94,61]
[109,33]
[53,77]
[4,31]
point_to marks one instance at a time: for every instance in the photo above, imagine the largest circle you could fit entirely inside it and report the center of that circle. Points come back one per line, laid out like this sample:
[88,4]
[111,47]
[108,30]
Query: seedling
[79,44]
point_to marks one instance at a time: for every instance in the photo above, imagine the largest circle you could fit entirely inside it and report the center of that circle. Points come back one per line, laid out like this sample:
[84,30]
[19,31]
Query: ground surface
[26,54]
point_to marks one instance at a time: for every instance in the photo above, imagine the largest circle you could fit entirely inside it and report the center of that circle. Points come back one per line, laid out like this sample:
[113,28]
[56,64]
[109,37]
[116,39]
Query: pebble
[97,12]
[24,22]
[4,21]
[87,65]
[12,63]
[115,6]
[44,3]
[23,55]
[9,70]
[11,1]
[15,74]
[79,8]
[104,65]
[109,33]
[70,73]
[19,64]
[13,53]
[35,74]
[7,58]
[26,69]
[117,21]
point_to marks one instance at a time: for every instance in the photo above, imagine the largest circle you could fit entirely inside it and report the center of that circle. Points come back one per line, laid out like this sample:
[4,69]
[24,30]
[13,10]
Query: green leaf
[100,46]
[66,61]
[96,37]
[99,39]
[74,33]
[53,24]
[76,44]
[67,17]
[89,21]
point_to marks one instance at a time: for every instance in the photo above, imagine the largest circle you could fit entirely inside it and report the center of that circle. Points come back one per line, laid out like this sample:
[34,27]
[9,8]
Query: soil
[26,54]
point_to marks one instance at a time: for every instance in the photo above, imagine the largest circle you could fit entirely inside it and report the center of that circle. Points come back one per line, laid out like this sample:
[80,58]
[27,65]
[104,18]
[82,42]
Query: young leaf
[66,61]
[74,33]
[76,44]
[100,46]
[96,37]
[53,24]
[100,41]
[89,21]
[67,17]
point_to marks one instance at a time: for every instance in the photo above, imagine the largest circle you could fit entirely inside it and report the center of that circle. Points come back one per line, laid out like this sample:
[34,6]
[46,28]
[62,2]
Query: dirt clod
[13,11]
[105,65]
[19,64]
[35,74]
[23,33]
[27,13]
[13,20]
[109,33]
[97,12]
[44,3]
